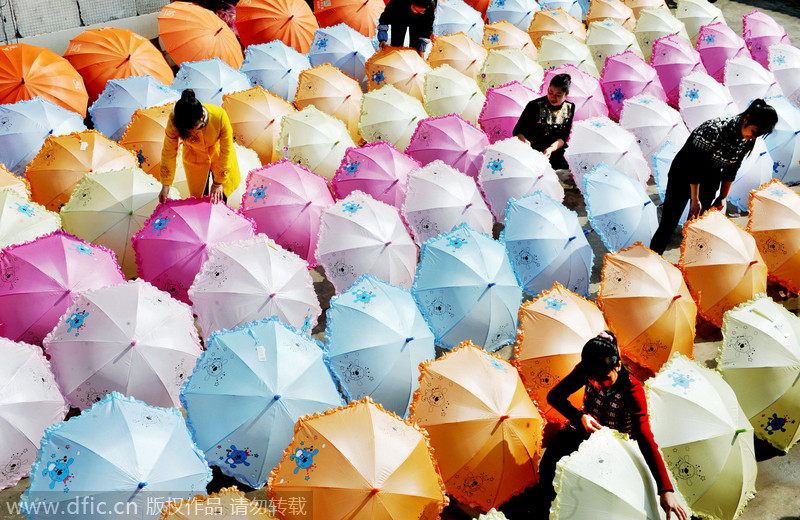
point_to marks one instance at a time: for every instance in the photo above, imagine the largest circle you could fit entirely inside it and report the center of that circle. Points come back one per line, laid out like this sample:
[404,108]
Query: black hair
[188,111]
[762,115]
[600,356]
[562,81]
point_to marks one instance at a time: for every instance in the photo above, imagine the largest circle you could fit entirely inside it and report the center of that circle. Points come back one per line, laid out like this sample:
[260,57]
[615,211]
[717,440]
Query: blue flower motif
[776,166]
[159,224]
[692,94]
[75,321]
[351,167]
[351,207]
[496,364]
[495,165]
[140,157]
[646,101]
[377,77]
[708,38]
[493,38]
[258,193]
[779,59]
[498,3]
[551,302]
[617,95]
[776,192]
[456,242]
[321,43]
[25,209]
[680,379]
[597,124]
[363,296]
[83,248]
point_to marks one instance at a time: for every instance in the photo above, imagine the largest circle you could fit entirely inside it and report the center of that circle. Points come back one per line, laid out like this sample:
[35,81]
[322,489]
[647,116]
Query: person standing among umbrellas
[414,16]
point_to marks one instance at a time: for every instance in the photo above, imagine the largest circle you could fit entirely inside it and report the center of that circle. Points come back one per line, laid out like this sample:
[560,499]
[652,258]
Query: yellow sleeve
[226,150]
[169,153]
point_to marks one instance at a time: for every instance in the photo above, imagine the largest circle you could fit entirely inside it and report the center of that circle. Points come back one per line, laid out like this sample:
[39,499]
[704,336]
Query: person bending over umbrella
[415,16]
[708,162]
[209,158]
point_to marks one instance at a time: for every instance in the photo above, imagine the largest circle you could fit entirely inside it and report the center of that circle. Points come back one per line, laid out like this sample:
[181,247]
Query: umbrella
[516,12]
[611,10]
[606,38]
[783,142]
[400,67]
[512,169]
[190,32]
[390,115]
[455,16]
[648,306]
[255,115]
[713,464]
[625,76]
[561,49]
[451,140]
[333,92]
[439,197]
[503,35]
[695,14]
[344,48]
[375,340]
[585,92]
[22,221]
[227,502]
[466,289]
[674,58]
[717,43]
[502,108]
[146,454]
[653,122]
[377,169]
[487,442]
[360,459]
[19,185]
[30,402]
[275,67]
[755,170]
[760,31]
[546,244]
[721,264]
[144,136]
[210,79]
[638,5]
[460,52]
[575,8]
[107,53]
[551,21]
[654,23]
[747,80]
[114,109]
[503,66]
[361,15]
[29,71]
[784,63]
[291,22]
[359,235]
[285,201]
[703,98]
[553,328]
[173,244]
[661,163]
[447,91]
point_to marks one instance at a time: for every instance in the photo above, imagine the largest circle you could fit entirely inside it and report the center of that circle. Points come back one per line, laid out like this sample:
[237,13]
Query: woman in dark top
[416,16]
[708,162]
[545,122]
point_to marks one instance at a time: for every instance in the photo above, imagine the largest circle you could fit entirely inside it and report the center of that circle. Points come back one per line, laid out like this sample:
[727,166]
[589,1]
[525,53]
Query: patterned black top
[717,147]
[542,126]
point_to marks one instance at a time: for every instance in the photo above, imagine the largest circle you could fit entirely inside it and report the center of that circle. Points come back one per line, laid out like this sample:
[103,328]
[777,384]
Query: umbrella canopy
[466,289]
[638,5]
[575,8]
[747,80]
[451,140]
[703,98]
[717,43]
[485,429]
[695,14]
[561,49]
[460,52]
[654,23]
[255,115]
[625,76]
[661,163]
[22,221]
[333,92]
[129,338]
[226,502]
[784,62]
[190,32]
[275,67]
[19,185]
[606,38]
[210,79]
[648,306]
[502,108]
[585,92]
[517,12]
[760,31]
[613,10]
[503,66]
[653,122]
[343,47]
[503,35]
[755,170]
[456,16]
[289,21]
[713,465]
[361,15]
[390,115]
[144,136]
[551,21]
[674,58]
[398,66]
[783,142]
[375,340]
[447,91]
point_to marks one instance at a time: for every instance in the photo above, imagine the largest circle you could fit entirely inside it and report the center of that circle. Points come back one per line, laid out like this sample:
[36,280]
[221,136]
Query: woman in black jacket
[414,16]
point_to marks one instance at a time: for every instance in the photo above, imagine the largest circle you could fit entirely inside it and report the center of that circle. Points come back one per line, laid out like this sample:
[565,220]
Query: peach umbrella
[361,15]
[9,181]
[460,52]
[192,33]
[262,21]
[111,53]
[144,136]
[614,9]
[484,428]
[638,5]
[721,264]
[255,116]
[333,92]
[503,35]
[775,224]
[226,503]
[402,68]
[552,331]
[647,305]
[555,21]
[27,71]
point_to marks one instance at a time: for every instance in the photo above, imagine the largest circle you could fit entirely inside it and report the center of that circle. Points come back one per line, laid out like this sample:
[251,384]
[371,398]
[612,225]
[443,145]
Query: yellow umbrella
[400,67]
[504,35]
[387,114]
[144,136]
[721,264]
[255,116]
[696,13]
[553,329]
[22,221]
[315,140]
[9,181]
[637,5]
[606,38]
[611,9]
[502,66]
[553,21]
[459,51]
[332,91]
[652,24]
[560,49]
[448,91]
[227,503]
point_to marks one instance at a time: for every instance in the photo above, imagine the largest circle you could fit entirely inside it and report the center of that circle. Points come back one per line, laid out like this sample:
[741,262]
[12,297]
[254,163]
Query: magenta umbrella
[451,140]
[760,31]
[502,108]
[627,75]
[172,246]
[377,169]
[585,92]
[717,44]
[40,279]
[673,58]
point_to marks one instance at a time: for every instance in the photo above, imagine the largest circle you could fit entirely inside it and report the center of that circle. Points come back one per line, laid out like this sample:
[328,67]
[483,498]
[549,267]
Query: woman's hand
[720,203]
[669,503]
[163,194]
[550,149]
[215,193]
[694,209]
[590,424]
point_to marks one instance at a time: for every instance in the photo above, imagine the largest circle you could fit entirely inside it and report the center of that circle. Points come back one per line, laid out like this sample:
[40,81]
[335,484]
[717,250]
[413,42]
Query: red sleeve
[558,396]
[644,437]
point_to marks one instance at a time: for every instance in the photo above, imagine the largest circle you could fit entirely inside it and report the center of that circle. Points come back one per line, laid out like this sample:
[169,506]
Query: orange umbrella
[255,116]
[553,329]
[484,428]
[775,224]
[614,9]
[9,181]
[191,33]
[110,53]
[333,92]
[291,21]
[227,503]
[27,71]
[638,5]
[65,159]
[647,305]
[554,21]
[145,137]
[403,68]
[721,264]
[361,15]
[460,52]
[504,35]
[359,461]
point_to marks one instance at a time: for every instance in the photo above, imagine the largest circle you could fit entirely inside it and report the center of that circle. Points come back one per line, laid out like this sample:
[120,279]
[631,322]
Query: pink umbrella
[717,44]
[627,75]
[377,169]
[585,92]
[285,200]
[673,58]
[502,108]
[760,31]
[171,247]
[39,280]
[451,140]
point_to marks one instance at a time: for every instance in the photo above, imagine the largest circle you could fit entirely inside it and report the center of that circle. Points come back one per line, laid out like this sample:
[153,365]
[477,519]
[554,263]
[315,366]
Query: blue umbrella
[119,456]
[114,108]
[783,142]
[344,48]
[275,67]
[466,289]
[248,390]
[546,244]
[25,125]
[661,162]
[618,207]
[375,340]
[455,16]
[515,12]
[574,8]
[210,80]
[755,170]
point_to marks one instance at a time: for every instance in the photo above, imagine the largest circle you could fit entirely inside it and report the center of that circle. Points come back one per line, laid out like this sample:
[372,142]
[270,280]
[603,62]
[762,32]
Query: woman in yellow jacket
[207,149]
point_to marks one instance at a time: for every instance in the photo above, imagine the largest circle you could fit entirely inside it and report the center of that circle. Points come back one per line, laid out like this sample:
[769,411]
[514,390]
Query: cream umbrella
[459,51]
[9,181]
[606,38]
[615,10]
[503,66]
[22,220]
[390,115]
[333,92]
[552,21]
[504,35]
[255,116]
[697,13]
[561,49]
[638,5]
[652,24]
[447,91]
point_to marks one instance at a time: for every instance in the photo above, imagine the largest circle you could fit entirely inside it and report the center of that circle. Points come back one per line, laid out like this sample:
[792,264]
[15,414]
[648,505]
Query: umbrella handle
[736,434]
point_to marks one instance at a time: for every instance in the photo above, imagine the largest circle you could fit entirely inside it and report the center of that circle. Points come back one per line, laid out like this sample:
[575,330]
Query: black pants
[398,34]
[678,194]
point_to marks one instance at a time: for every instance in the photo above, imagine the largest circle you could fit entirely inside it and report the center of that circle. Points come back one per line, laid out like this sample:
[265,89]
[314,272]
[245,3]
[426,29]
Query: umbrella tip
[492,284]
[754,262]
[409,340]
[504,417]
[387,244]
[571,238]
[271,296]
[142,484]
[374,491]
[676,297]
[277,397]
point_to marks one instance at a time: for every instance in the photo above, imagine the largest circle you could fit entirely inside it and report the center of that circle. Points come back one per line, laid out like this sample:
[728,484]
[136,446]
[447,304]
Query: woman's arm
[169,157]
[558,396]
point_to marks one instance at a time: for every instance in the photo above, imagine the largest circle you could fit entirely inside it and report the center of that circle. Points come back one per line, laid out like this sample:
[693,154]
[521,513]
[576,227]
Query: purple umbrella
[717,44]
[760,31]
[627,75]
[502,108]
[673,58]
[585,92]
[451,140]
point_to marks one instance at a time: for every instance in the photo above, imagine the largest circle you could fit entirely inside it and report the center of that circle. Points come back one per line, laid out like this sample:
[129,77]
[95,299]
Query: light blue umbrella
[618,208]
[248,390]
[661,161]
[210,80]
[275,67]
[375,340]
[466,289]
[455,16]
[546,244]
[25,125]
[344,48]
[783,142]
[574,8]
[755,170]
[114,108]
[119,459]
[516,12]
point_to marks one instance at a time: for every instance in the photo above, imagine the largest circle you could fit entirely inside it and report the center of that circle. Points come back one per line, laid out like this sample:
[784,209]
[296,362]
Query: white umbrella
[755,170]
[784,62]
[606,38]
[22,220]
[517,12]
[447,91]
[702,98]
[697,13]
[748,80]
[653,122]
[455,16]
[783,142]
[563,48]
[503,66]
[387,114]
[652,24]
